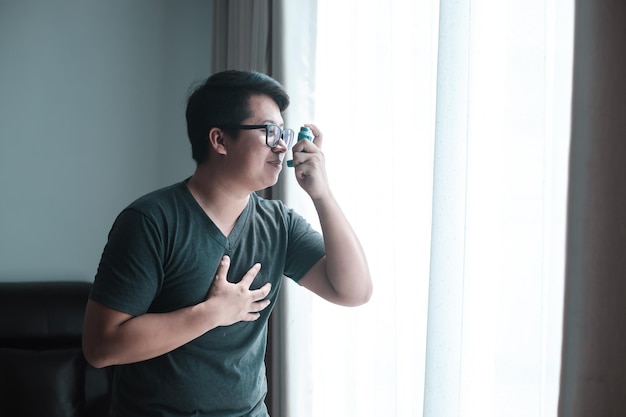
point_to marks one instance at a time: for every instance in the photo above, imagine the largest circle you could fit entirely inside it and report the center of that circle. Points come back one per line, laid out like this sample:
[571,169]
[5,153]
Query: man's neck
[222,204]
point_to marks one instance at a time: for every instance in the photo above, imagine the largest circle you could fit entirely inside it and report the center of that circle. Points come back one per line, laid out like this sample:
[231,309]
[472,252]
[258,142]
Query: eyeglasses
[273,134]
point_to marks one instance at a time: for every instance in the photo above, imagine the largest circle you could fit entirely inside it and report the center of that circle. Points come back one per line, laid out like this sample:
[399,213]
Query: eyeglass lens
[275,133]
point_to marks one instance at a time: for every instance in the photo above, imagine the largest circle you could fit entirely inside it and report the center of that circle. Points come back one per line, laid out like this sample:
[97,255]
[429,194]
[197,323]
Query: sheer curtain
[375,100]
[447,129]
[497,265]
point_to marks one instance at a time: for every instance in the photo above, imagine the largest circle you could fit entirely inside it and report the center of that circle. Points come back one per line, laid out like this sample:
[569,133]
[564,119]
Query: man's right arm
[111,337]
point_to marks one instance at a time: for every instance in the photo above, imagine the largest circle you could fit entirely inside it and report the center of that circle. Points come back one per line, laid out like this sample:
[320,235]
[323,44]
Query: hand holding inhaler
[305,133]
[308,162]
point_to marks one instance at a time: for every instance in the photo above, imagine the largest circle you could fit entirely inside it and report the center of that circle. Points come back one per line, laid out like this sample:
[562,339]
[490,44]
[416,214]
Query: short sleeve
[130,273]
[305,247]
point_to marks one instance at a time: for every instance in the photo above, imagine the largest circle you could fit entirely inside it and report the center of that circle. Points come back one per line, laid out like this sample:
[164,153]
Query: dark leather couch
[43,372]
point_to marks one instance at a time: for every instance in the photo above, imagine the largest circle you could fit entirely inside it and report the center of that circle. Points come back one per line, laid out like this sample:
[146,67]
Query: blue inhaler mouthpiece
[305,133]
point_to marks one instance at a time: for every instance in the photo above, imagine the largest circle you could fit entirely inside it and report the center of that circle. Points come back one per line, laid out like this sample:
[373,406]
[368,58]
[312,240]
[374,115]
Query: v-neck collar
[240,224]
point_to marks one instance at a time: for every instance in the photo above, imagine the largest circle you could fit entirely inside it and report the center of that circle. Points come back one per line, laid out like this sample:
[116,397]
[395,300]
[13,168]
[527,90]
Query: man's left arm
[342,276]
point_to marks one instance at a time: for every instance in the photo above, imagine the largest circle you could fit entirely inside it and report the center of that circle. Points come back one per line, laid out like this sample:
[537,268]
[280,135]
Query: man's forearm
[111,337]
[141,337]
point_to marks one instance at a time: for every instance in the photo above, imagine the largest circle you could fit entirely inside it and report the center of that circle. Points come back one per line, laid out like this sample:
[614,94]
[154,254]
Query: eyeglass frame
[267,132]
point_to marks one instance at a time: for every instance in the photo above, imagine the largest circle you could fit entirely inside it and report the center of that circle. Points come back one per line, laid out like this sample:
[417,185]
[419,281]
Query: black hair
[222,100]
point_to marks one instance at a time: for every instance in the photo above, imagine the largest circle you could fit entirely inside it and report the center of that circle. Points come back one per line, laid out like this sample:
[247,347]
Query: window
[446,133]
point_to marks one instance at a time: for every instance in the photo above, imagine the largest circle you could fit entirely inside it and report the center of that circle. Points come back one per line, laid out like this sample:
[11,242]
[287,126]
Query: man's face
[255,163]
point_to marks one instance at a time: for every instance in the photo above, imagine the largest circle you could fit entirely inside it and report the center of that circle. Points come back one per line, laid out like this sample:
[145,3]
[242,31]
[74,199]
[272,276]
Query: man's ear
[217,140]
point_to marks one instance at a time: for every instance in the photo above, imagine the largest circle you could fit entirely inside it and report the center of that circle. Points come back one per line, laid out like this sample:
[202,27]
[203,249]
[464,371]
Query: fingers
[259,296]
[256,309]
[261,293]
[317,134]
[260,303]
[307,146]
[222,269]
[308,156]
[237,301]
[307,153]
[246,280]
[250,275]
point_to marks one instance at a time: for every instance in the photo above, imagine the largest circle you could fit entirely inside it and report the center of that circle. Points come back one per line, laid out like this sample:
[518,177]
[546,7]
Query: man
[184,289]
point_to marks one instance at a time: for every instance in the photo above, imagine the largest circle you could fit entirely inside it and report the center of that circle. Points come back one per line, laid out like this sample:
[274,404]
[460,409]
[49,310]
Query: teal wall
[92,97]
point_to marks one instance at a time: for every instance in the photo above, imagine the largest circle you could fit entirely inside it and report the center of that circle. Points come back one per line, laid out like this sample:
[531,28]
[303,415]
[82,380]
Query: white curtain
[497,264]
[375,101]
[375,98]
[447,128]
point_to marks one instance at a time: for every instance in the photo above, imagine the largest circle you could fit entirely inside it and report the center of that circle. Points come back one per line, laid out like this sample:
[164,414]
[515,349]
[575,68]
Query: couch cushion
[42,310]
[41,383]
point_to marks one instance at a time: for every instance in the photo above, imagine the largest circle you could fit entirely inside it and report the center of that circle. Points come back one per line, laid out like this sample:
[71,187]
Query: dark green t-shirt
[162,255]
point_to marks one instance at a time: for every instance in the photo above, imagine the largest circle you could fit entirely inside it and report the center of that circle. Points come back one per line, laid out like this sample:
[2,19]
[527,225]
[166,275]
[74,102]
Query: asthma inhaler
[305,133]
